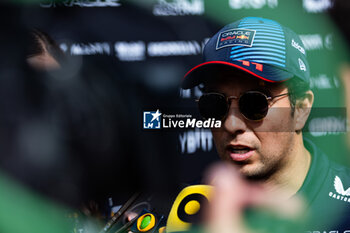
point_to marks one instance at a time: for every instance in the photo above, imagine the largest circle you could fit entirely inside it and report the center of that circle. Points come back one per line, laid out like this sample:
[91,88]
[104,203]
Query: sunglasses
[253,105]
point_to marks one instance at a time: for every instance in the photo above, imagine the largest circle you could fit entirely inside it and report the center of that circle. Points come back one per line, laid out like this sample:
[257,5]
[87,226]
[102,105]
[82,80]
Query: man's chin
[253,172]
[250,169]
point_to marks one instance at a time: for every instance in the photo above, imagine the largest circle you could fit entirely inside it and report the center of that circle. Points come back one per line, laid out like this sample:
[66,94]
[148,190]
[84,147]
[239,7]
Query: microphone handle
[119,213]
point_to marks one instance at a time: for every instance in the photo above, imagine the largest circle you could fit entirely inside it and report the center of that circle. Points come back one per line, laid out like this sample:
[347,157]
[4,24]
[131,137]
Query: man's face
[258,148]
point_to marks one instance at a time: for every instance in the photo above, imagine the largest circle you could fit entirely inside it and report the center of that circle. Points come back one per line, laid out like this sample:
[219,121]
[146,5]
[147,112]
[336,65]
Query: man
[255,78]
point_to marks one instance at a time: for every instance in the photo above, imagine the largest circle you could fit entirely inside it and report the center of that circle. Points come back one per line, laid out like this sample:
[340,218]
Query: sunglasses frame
[229,98]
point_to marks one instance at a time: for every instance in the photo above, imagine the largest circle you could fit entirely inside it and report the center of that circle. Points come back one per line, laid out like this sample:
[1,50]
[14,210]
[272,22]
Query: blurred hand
[232,194]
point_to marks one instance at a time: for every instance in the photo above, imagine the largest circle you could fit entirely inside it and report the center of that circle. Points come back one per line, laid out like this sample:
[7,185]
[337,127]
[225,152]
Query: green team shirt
[326,190]
[327,198]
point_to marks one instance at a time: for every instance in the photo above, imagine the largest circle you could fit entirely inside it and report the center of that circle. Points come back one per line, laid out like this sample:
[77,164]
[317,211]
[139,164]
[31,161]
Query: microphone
[188,207]
[148,222]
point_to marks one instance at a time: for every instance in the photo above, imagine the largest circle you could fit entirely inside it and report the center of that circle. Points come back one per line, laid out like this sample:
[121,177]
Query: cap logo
[237,36]
[298,47]
[302,65]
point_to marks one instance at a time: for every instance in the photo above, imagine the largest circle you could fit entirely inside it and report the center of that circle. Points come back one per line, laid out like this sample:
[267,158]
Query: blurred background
[75,134]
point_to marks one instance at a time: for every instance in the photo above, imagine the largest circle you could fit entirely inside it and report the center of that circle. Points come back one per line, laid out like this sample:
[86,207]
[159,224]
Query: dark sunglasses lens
[253,106]
[212,106]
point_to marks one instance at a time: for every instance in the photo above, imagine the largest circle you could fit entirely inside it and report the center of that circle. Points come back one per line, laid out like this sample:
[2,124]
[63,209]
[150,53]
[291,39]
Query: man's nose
[234,123]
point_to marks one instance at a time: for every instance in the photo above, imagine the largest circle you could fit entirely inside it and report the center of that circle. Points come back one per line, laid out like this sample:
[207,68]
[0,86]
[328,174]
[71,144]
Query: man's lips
[239,152]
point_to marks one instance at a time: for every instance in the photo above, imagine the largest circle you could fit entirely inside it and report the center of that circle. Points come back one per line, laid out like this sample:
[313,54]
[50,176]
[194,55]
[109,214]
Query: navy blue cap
[258,46]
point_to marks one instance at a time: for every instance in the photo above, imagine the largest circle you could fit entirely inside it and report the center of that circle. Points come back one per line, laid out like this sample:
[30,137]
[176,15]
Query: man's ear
[302,110]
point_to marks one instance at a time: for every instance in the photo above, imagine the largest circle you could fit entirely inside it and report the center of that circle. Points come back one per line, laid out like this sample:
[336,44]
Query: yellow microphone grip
[187,207]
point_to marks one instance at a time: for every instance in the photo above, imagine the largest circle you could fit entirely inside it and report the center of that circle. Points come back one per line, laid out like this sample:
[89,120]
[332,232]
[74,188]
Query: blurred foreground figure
[232,196]
[70,135]
[255,79]
[23,209]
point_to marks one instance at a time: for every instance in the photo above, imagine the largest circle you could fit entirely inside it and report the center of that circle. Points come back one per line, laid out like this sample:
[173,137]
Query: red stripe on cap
[230,64]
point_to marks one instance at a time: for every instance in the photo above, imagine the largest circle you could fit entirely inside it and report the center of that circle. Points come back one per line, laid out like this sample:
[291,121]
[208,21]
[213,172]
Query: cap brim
[267,73]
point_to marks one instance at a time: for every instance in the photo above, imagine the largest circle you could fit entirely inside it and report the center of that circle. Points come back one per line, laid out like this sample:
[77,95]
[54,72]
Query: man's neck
[290,178]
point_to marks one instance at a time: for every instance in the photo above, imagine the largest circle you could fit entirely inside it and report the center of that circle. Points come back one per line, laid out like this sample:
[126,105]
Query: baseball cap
[261,47]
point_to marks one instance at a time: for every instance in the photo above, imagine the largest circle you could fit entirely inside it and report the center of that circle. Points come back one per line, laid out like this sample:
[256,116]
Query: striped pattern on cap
[268,45]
